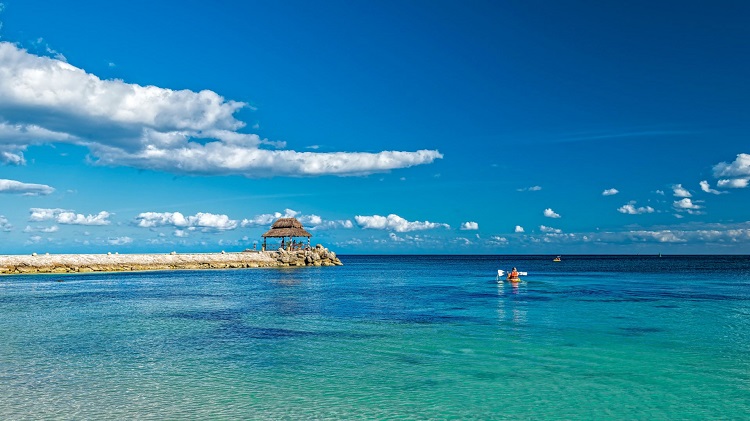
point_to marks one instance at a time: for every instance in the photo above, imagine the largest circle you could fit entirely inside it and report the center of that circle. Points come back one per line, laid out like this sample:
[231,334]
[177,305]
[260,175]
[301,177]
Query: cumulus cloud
[395,223]
[706,187]
[630,209]
[688,206]
[467,226]
[26,189]
[549,213]
[268,218]
[345,224]
[313,222]
[728,235]
[610,192]
[661,236]
[46,100]
[62,216]
[547,229]
[53,228]
[717,234]
[519,229]
[734,183]
[203,220]
[119,241]
[532,188]
[34,239]
[685,204]
[4,224]
[740,167]
[680,191]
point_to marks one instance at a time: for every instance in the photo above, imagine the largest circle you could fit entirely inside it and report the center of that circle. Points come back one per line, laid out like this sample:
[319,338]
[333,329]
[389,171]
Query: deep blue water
[384,337]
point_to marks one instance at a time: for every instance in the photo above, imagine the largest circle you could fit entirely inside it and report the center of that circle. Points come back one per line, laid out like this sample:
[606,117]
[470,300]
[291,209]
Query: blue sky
[385,127]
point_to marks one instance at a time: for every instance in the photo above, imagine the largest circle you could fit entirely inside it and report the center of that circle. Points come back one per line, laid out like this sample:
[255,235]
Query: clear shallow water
[387,337]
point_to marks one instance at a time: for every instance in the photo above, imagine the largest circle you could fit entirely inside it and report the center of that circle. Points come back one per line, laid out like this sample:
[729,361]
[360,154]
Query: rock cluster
[79,263]
[318,256]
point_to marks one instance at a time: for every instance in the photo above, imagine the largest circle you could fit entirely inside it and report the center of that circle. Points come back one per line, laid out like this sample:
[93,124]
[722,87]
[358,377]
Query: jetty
[81,263]
[289,253]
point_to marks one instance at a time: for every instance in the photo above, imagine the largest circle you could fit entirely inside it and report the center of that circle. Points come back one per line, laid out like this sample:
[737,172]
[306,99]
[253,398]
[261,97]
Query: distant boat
[557,259]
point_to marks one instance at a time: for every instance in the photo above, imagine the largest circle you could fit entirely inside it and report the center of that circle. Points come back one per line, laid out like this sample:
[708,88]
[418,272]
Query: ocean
[384,337]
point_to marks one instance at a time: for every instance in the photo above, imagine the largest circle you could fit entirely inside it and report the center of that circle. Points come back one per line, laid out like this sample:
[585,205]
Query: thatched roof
[286,227]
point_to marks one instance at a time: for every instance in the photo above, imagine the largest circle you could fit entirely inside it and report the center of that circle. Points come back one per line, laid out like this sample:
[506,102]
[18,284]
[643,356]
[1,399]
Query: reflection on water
[510,304]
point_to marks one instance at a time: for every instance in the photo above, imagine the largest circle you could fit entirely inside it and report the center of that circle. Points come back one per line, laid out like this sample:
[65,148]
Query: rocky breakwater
[317,256]
[80,263]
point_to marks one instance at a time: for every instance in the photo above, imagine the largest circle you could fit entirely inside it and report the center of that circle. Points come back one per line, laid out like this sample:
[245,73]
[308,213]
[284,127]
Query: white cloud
[549,213]
[735,183]
[680,191]
[4,224]
[630,209]
[119,241]
[740,167]
[180,233]
[519,229]
[659,192]
[199,220]
[685,204]
[12,158]
[547,229]
[706,187]
[268,218]
[662,236]
[396,238]
[469,226]
[178,131]
[688,206]
[532,188]
[610,192]
[62,216]
[345,224]
[313,222]
[727,235]
[395,223]
[498,240]
[27,189]
[53,228]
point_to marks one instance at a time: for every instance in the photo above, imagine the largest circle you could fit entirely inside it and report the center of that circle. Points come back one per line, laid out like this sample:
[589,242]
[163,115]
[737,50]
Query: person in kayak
[513,274]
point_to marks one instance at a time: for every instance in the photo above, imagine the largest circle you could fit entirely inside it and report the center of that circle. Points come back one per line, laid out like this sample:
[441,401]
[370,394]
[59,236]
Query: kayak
[501,273]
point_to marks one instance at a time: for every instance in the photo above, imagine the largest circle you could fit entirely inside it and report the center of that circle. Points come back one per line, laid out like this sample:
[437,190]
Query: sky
[385,127]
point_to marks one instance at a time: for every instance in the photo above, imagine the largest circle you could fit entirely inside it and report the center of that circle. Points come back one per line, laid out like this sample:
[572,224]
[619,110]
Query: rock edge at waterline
[81,263]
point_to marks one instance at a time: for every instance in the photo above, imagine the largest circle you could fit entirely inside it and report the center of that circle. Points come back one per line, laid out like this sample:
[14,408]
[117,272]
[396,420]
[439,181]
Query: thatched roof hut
[286,227]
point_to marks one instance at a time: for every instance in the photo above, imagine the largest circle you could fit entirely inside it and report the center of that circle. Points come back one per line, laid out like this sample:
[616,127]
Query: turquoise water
[388,337]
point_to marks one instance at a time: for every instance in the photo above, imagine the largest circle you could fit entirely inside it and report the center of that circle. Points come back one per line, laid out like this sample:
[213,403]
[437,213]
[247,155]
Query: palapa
[286,227]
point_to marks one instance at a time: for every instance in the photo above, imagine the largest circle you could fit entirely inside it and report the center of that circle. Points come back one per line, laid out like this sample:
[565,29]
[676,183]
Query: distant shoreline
[86,263]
